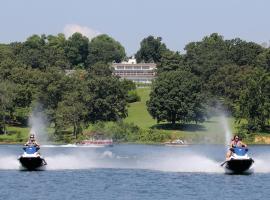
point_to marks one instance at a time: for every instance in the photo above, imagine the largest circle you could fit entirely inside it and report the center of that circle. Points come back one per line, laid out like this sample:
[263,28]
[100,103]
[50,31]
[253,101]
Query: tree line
[34,73]
[211,72]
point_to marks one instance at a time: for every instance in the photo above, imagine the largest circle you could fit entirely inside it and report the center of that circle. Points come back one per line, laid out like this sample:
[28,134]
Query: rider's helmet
[32,137]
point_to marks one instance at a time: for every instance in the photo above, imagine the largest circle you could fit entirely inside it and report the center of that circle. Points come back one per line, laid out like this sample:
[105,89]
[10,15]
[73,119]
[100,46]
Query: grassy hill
[138,114]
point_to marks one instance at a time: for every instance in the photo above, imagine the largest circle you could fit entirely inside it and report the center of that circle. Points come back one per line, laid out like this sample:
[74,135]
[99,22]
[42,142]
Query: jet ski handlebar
[242,148]
[27,146]
[239,150]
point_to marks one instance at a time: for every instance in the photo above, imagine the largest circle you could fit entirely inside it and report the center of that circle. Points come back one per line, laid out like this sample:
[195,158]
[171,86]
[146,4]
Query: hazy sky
[178,22]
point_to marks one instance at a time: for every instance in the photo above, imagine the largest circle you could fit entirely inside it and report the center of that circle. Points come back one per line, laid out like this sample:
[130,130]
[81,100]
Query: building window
[145,67]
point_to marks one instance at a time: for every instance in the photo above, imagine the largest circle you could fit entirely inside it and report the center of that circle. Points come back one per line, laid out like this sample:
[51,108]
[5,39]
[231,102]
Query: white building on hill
[137,72]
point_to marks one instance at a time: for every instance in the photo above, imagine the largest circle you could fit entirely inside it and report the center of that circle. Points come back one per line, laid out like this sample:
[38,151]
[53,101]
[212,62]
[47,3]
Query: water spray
[38,123]
[225,126]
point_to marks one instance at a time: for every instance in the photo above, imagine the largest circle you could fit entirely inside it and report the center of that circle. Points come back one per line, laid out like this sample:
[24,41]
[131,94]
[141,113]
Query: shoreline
[138,143]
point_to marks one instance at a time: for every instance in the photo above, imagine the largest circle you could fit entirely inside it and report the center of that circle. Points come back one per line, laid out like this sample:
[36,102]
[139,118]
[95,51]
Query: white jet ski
[31,159]
[239,162]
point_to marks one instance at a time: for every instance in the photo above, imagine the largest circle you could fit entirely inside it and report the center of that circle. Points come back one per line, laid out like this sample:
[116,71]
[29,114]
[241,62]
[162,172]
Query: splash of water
[107,159]
[64,162]
[9,162]
[169,162]
[261,164]
[190,163]
[38,123]
[226,128]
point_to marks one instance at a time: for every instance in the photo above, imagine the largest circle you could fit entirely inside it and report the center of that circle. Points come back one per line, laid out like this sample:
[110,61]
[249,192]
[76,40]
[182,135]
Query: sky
[178,22]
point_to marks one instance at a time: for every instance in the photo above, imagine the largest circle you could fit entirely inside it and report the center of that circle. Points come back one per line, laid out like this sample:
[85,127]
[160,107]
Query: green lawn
[138,114]
[16,134]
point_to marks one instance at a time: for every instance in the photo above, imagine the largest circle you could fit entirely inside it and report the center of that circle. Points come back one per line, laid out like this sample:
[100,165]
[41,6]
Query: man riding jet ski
[237,159]
[31,159]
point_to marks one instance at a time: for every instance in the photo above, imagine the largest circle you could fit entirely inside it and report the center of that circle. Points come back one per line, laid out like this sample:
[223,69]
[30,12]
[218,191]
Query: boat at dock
[96,142]
[176,143]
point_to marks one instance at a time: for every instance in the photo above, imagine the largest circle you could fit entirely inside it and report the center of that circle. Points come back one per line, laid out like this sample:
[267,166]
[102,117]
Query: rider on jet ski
[236,142]
[31,158]
[32,141]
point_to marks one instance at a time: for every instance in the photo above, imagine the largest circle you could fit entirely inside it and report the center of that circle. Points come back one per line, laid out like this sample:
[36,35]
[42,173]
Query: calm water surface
[133,172]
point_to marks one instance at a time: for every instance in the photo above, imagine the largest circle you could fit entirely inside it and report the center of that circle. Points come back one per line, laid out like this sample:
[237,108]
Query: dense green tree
[6,68]
[243,53]
[176,96]
[108,99]
[55,51]
[31,52]
[28,82]
[38,53]
[128,84]
[24,87]
[227,83]
[59,41]
[263,60]
[6,103]
[100,69]
[77,49]
[71,111]
[130,87]
[34,85]
[51,87]
[254,101]
[99,97]
[5,52]
[105,49]
[206,56]
[151,50]
[170,61]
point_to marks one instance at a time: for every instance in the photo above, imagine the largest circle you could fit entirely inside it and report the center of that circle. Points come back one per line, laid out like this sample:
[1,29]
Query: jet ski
[31,159]
[239,162]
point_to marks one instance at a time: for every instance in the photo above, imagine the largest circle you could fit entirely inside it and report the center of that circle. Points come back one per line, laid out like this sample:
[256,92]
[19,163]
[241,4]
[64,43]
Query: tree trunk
[173,118]
[75,130]
[4,124]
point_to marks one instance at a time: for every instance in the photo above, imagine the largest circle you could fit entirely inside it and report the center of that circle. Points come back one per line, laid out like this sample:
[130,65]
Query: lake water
[126,172]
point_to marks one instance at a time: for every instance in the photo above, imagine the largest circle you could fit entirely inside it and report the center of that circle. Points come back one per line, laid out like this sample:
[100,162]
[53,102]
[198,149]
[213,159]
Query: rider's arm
[37,144]
[231,144]
[243,144]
